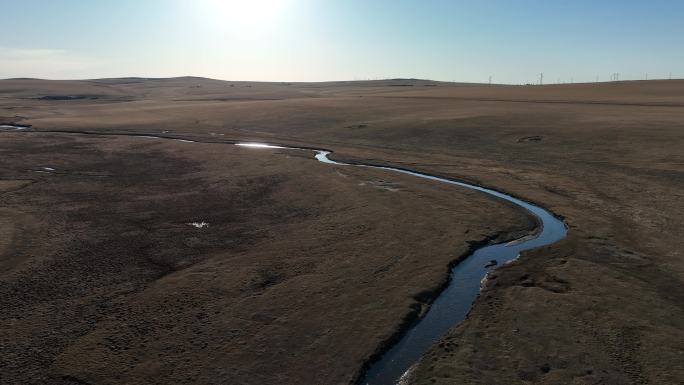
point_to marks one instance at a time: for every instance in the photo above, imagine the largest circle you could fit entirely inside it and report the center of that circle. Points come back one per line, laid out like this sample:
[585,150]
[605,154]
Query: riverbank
[606,157]
[109,276]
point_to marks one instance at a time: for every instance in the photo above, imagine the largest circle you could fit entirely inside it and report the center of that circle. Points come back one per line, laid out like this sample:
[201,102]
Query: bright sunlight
[247,16]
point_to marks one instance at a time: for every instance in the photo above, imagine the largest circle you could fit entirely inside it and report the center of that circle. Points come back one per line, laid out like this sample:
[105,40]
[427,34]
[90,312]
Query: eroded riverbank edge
[425,298]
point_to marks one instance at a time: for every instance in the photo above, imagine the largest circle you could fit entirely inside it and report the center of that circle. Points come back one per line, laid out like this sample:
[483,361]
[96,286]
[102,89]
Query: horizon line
[337,81]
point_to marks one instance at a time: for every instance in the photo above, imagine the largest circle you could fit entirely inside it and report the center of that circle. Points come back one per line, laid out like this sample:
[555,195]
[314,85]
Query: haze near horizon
[309,40]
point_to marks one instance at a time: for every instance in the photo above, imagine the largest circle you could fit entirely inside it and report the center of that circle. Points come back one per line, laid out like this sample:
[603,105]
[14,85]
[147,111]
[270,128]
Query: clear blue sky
[313,40]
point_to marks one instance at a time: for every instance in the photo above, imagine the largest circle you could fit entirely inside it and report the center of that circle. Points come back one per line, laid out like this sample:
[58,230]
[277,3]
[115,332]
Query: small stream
[454,302]
[12,127]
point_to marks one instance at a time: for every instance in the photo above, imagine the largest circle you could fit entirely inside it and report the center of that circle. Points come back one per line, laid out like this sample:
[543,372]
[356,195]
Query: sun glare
[251,15]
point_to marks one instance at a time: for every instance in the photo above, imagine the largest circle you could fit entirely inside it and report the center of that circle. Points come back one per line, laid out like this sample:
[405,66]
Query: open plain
[299,272]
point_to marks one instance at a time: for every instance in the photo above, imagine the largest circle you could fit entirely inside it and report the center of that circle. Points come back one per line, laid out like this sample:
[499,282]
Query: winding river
[454,302]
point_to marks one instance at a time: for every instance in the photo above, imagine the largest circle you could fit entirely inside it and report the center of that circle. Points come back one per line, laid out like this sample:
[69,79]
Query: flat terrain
[306,269]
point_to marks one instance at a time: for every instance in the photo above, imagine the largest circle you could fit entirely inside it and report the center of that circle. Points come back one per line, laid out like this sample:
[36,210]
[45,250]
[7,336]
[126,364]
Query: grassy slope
[603,306]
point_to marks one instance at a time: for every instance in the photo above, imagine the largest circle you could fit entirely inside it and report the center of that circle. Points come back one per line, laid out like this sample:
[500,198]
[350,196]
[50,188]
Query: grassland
[306,269]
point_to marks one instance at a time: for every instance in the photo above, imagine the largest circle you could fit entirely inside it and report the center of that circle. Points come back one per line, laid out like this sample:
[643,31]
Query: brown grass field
[306,270]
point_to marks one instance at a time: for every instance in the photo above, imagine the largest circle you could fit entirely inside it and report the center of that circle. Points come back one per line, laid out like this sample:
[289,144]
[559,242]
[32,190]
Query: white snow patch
[199,225]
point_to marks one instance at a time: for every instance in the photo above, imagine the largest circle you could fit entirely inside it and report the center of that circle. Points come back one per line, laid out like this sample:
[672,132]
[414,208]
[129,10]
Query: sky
[513,41]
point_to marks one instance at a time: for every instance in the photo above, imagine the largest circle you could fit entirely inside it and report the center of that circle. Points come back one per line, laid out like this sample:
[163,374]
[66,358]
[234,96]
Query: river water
[454,302]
